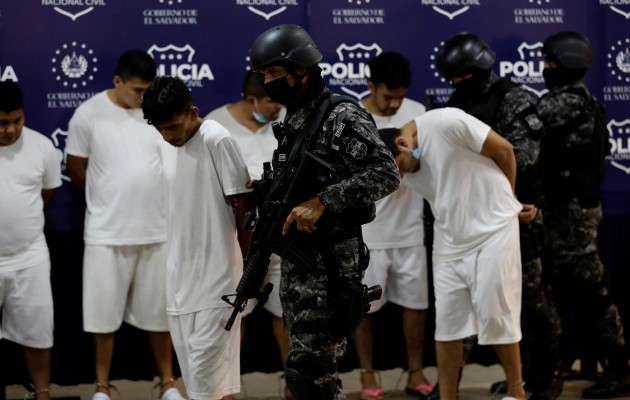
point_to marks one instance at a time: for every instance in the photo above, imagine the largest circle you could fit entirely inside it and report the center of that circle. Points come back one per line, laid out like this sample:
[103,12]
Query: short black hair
[388,136]
[390,68]
[136,64]
[10,97]
[166,97]
[254,85]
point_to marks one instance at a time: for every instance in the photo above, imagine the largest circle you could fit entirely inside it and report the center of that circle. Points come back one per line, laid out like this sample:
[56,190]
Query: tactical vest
[576,170]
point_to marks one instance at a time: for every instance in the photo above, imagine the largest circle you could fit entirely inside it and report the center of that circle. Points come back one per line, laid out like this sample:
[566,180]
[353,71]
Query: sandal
[371,394]
[418,390]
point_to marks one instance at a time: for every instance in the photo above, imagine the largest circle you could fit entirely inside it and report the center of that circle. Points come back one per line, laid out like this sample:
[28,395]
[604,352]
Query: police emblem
[356,149]
[533,122]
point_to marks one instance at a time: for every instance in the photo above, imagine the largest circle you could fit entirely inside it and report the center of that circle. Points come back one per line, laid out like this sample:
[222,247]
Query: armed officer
[466,60]
[572,161]
[326,221]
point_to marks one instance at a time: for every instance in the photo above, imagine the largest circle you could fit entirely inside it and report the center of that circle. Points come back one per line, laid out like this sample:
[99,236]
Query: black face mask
[281,92]
[471,87]
[558,77]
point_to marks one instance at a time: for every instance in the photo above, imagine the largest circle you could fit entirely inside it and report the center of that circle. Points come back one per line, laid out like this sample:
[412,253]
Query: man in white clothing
[249,122]
[112,154]
[29,175]
[467,173]
[398,259]
[208,200]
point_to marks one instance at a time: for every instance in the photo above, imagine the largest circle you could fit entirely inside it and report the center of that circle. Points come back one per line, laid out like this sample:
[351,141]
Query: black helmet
[284,43]
[463,52]
[569,49]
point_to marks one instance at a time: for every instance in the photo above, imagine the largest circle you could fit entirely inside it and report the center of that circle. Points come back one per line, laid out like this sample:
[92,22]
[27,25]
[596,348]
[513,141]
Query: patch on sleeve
[533,122]
[356,149]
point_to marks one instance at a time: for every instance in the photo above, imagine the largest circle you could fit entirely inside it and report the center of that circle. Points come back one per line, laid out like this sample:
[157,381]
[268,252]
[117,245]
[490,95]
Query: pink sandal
[371,394]
[417,390]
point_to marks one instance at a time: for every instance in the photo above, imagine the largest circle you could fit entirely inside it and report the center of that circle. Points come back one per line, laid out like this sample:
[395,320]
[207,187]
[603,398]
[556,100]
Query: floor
[475,384]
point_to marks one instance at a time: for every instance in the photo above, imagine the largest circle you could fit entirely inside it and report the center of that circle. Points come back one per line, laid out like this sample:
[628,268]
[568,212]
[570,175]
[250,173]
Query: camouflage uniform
[572,218]
[349,141]
[516,119]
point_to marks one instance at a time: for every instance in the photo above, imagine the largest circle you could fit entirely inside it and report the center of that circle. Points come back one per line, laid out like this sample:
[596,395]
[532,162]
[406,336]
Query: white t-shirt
[471,198]
[125,188]
[399,216]
[26,167]
[204,258]
[256,147]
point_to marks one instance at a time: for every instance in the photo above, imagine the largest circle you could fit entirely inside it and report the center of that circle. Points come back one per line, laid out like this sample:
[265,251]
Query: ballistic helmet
[463,53]
[284,43]
[568,49]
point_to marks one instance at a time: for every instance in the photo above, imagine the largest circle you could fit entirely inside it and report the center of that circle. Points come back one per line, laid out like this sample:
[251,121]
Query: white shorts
[27,306]
[402,273]
[481,293]
[273,304]
[208,355]
[124,282]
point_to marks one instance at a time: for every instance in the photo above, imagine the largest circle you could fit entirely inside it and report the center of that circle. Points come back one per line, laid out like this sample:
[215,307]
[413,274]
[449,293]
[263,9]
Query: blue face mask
[258,116]
[414,152]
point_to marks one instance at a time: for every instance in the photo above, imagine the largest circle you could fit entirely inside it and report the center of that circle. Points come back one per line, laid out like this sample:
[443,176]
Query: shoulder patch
[356,149]
[533,122]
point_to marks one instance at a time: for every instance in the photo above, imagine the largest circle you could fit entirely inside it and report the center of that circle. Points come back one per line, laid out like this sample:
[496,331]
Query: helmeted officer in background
[466,61]
[572,160]
[327,224]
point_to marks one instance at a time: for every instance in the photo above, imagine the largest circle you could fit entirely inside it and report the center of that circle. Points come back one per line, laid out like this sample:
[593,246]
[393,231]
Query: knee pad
[301,381]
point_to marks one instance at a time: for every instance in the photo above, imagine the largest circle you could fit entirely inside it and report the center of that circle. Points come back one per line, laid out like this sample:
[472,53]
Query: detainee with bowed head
[352,169]
[207,202]
[510,110]
[112,155]
[398,257]
[467,173]
[249,122]
[30,173]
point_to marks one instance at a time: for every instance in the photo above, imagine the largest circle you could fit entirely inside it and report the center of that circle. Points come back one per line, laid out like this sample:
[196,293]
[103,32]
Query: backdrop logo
[619,60]
[74,65]
[73,9]
[7,73]
[59,140]
[358,15]
[527,70]
[178,61]
[619,133]
[171,13]
[267,8]
[440,95]
[539,13]
[621,7]
[351,72]
[450,8]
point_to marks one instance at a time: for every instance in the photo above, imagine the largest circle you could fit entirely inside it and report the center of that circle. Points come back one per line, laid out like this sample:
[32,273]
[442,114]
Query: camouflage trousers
[306,296]
[541,330]
[577,272]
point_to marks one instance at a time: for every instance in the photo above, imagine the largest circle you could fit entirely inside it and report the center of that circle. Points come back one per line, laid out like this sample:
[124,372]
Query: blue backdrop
[62,52]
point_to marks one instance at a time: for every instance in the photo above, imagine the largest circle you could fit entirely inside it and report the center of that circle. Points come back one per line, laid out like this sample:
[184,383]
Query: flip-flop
[417,390]
[369,394]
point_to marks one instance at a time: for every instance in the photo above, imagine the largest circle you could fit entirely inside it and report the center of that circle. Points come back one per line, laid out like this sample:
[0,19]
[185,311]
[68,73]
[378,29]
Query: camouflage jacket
[516,119]
[348,140]
[568,112]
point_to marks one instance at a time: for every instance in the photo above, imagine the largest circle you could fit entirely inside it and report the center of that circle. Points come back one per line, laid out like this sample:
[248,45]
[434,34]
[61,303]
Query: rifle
[268,238]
